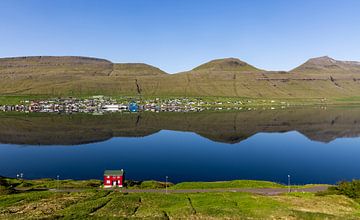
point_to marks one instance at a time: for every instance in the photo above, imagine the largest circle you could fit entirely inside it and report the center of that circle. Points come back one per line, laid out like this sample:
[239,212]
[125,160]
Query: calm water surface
[312,145]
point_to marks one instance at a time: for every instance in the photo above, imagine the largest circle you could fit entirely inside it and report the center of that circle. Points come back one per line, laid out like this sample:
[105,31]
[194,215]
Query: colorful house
[133,107]
[114,178]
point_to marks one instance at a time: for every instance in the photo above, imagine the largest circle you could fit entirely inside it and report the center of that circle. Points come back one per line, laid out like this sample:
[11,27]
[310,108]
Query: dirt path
[261,191]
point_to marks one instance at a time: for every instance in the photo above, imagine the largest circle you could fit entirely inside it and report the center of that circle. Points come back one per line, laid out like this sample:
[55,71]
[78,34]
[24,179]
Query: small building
[111,108]
[133,107]
[114,178]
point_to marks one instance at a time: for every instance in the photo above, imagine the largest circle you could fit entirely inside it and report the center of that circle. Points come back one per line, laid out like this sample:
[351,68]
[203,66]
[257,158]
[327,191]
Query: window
[107,181]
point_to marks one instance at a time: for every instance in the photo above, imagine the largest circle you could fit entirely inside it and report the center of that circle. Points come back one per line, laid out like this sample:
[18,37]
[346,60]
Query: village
[101,104]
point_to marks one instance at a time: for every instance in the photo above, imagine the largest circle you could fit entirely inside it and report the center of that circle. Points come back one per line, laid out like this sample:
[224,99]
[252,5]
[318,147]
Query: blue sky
[177,35]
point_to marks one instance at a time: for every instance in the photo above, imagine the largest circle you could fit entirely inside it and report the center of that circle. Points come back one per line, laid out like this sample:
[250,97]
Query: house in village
[114,178]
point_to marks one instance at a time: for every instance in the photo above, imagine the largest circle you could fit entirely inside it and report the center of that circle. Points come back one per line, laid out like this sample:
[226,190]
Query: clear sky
[177,35]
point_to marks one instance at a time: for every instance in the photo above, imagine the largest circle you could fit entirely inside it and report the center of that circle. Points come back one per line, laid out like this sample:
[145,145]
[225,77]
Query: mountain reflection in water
[46,145]
[316,123]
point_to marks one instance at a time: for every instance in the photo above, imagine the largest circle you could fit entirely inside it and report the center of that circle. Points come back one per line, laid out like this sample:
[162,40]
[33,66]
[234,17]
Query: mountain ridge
[226,64]
[141,69]
[229,77]
[220,64]
[326,63]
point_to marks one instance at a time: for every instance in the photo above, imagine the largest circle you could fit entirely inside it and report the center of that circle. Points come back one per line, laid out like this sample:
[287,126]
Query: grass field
[227,184]
[23,185]
[100,204]
[89,203]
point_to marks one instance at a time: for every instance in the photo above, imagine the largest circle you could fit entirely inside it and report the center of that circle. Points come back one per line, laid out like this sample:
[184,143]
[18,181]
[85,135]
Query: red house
[114,178]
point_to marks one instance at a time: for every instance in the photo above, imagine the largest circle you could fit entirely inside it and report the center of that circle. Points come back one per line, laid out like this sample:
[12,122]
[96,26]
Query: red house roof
[114,172]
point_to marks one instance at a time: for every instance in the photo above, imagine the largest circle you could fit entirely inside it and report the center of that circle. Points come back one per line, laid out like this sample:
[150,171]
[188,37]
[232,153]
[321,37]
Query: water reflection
[317,124]
[264,145]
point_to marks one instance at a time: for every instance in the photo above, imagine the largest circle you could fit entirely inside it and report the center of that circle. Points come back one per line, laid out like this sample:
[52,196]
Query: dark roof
[114,173]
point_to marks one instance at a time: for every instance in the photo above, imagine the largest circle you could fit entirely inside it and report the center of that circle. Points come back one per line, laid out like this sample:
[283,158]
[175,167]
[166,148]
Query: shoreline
[19,184]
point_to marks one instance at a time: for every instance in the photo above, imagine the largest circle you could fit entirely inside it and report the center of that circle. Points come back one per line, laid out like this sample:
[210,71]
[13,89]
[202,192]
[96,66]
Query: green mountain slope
[227,64]
[328,65]
[47,65]
[135,69]
[317,78]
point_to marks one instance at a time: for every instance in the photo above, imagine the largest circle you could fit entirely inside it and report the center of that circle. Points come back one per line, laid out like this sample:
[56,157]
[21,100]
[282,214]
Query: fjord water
[313,145]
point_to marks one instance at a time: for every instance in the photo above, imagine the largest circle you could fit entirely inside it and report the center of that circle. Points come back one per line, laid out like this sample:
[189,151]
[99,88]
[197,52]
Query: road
[261,191]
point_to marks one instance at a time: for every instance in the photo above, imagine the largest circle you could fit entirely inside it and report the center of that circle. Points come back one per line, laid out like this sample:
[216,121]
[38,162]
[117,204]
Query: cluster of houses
[101,104]
[96,104]
[172,105]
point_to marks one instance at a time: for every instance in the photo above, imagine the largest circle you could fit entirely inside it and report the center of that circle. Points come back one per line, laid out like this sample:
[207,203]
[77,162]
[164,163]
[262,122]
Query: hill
[329,65]
[47,65]
[230,77]
[227,64]
[135,69]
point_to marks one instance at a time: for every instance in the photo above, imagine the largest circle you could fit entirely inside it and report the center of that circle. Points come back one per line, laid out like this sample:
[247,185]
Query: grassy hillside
[116,205]
[28,67]
[76,76]
[135,70]
[227,64]
[328,65]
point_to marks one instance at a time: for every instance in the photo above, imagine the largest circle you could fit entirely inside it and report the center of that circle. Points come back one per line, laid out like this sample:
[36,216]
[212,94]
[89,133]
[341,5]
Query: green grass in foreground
[227,184]
[49,183]
[89,203]
[152,184]
[116,205]
[149,184]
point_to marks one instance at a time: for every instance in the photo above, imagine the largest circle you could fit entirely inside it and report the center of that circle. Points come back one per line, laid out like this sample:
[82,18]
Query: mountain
[72,65]
[328,64]
[49,65]
[227,64]
[135,69]
[321,77]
